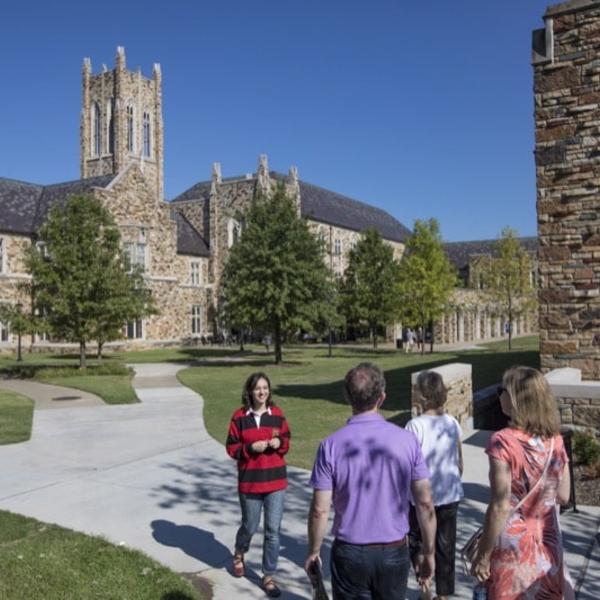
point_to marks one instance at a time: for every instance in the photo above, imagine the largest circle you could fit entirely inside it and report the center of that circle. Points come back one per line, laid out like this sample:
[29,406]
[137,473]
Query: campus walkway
[150,477]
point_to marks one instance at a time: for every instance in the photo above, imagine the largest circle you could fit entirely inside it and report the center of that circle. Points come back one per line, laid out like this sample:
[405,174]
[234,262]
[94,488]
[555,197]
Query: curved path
[149,476]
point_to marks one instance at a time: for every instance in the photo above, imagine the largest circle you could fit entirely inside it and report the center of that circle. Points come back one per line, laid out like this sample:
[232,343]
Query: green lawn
[308,386]
[16,415]
[39,560]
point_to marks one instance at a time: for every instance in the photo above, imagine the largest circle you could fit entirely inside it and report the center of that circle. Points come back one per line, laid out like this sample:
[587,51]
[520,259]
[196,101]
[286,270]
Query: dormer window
[130,130]
[96,131]
[147,135]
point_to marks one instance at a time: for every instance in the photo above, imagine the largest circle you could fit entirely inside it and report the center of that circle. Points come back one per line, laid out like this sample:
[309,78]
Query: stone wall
[567,112]
[459,384]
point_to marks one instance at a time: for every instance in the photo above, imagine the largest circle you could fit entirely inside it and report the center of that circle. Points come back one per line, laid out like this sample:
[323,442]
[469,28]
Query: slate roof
[189,241]
[461,253]
[326,206]
[24,206]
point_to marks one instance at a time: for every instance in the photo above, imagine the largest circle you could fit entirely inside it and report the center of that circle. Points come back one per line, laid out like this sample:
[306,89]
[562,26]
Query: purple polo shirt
[369,465]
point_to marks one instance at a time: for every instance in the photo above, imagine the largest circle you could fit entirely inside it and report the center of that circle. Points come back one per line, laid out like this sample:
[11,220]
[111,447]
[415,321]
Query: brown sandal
[270,587]
[239,568]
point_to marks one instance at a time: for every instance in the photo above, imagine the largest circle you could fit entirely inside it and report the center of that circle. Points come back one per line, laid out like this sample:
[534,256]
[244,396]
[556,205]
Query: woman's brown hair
[533,405]
[249,386]
[432,389]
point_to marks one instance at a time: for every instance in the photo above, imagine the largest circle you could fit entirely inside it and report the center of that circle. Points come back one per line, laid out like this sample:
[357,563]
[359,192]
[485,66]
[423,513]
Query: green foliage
[507,278]
[18,321]
[427,278]
[275,278]
[586,448]
[80,283]
[370,293]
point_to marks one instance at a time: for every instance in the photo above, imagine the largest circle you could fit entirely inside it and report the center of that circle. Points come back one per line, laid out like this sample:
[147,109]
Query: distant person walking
[439,436]
[520,554]
[367,469]
[258,439]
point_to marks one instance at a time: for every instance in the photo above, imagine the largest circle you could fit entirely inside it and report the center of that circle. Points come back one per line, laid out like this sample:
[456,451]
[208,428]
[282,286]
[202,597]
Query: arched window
[147,138]
[96,131]
[110,127]
[130,130]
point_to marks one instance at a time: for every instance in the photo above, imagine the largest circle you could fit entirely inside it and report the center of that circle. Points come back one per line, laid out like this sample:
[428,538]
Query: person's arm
[495,517]
[318,516]
[563,492]
[461,464]
[421,492]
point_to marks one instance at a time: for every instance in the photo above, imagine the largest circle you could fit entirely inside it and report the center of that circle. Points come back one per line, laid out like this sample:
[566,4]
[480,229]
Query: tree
[370,284]
[18,322]
[81,284]
[506,276]
[427,278]
[275,277]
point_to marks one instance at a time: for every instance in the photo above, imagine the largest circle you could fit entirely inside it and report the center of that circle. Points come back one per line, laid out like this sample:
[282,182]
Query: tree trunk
[277,342]
[423,339]
[82,363]
[241,340]
[19,348]
[374,336]
[510,319]
[99,356]
[329,351]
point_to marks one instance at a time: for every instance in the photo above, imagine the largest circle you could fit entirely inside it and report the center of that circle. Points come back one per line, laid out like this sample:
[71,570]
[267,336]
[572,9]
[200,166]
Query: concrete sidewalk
[148,475]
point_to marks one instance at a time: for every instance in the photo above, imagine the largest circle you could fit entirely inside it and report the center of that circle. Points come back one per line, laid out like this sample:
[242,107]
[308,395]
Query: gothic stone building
[181,245]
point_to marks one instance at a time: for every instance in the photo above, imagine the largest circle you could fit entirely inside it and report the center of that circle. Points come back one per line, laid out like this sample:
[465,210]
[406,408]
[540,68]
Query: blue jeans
[252,505]
[369,573]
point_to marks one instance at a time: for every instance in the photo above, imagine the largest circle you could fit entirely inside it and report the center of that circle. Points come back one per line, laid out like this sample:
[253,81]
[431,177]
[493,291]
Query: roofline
[389,239]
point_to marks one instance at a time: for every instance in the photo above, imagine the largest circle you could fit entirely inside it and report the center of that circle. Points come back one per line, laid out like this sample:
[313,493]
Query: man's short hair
[363,386]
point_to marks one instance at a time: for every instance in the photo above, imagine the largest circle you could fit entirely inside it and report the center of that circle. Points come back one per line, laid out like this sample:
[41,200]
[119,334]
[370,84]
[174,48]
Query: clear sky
[424,109]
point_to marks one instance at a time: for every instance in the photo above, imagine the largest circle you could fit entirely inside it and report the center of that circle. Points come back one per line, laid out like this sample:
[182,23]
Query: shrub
[586,448]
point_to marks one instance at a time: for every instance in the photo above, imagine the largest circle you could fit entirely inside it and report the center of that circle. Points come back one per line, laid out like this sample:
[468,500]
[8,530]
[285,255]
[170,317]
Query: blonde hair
[431,387]
[534,407]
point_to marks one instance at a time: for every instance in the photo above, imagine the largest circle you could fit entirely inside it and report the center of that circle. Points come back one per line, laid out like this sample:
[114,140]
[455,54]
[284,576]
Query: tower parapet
[121,121]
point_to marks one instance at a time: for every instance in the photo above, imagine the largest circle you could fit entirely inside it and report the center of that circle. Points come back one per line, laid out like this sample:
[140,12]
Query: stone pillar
[477,334]
[461,325]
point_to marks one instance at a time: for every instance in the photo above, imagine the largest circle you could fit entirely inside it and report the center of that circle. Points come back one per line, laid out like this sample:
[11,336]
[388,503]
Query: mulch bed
[587,490]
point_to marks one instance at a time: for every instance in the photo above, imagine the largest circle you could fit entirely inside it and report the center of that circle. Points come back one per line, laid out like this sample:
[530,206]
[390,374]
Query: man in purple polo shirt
[368,467]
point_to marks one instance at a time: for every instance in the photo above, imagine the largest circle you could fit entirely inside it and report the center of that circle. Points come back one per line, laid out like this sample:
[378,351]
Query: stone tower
[121,122]
[567,139]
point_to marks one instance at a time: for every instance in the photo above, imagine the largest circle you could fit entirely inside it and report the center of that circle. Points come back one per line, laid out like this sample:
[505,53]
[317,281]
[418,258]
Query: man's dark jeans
[369,572]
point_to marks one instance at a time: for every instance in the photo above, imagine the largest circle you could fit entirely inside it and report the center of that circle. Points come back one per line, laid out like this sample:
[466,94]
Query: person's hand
[274,443]
[310,559]
[481,568]
[260,446]
[426,569]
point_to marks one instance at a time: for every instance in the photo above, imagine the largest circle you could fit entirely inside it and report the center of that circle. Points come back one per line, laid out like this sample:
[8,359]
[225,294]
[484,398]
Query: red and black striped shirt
[264,472]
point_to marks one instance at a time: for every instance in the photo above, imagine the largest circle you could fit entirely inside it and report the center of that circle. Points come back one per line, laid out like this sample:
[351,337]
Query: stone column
[477,334]
[461,326]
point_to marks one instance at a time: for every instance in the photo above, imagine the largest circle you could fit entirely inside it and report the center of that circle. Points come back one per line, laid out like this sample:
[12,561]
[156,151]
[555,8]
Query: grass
[39,560]
[308,386]
[16,416]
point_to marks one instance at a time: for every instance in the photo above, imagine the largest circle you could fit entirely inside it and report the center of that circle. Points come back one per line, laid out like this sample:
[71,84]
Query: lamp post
[19,331]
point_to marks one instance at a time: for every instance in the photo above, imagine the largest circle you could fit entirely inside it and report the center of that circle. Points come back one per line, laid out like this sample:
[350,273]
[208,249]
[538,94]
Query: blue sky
[424,109]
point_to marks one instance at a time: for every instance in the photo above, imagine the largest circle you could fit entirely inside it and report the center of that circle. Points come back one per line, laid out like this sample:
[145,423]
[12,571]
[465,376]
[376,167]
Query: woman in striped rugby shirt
[258,439]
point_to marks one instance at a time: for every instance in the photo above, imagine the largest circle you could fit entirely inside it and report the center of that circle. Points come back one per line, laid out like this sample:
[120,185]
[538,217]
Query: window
[42,248]
[196,319]
[135,329]
[3,332]
[147,139]
[130,130]
[96,131]
[337,248]
[110,125]
[135,255]
[2,268]
[195,273]
[234,232]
